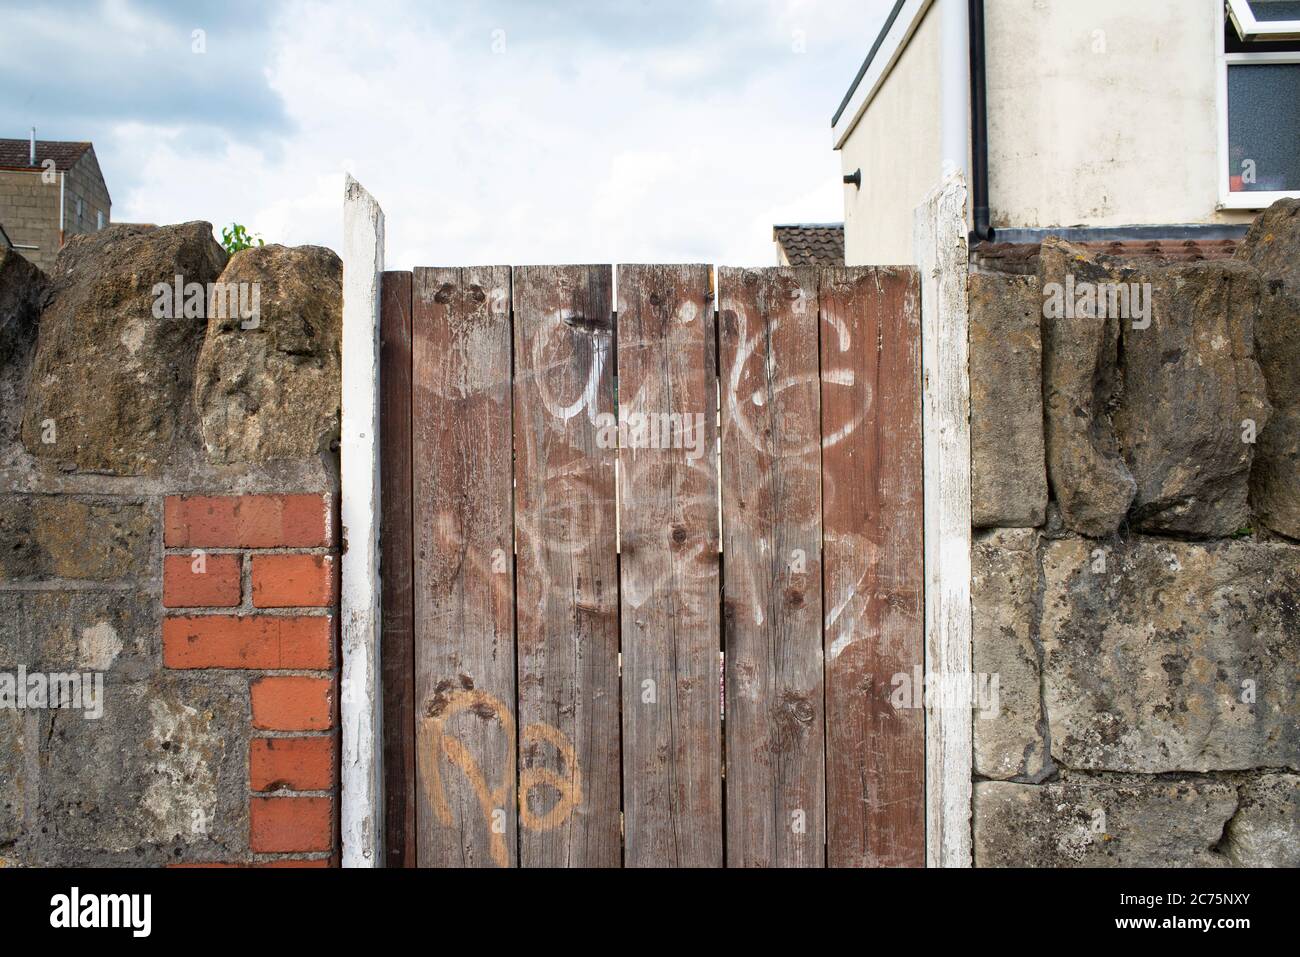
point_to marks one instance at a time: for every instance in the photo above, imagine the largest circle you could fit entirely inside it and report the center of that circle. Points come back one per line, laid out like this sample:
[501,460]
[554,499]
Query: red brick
[217,586]
[293,703]
[262,642]
[248,521]
[293,581]
[282,825]
[294,764]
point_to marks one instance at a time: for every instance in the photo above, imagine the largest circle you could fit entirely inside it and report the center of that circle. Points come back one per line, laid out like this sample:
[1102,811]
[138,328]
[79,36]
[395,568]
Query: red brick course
[248,521]
[216,585]
[290,824]
[264,642]
[293,764]
[293,581]
[238,634]
[293,703]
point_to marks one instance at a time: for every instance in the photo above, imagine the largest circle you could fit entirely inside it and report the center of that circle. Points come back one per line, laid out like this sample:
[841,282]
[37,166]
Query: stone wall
[168,488]
[1136,584]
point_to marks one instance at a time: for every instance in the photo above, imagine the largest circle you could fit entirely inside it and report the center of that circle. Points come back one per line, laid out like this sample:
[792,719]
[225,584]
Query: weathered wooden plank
[672,748]
[940,239]
[398,641]
[361,811]
[872,514]
[464,581]
[566,578]
[772,532]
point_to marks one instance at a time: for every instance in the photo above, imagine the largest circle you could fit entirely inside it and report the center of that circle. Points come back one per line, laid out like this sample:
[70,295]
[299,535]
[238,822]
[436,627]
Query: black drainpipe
[979,124]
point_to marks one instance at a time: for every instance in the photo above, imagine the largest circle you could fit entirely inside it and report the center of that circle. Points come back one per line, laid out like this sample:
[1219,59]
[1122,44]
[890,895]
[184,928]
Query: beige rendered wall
[1103,113]
[896,145]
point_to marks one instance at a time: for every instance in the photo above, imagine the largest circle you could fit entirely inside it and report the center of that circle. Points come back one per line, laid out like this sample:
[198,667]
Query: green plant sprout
[236,238]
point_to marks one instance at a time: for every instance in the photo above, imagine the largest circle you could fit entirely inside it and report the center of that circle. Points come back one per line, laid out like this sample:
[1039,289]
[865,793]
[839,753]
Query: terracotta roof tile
[17,153]
[811,244]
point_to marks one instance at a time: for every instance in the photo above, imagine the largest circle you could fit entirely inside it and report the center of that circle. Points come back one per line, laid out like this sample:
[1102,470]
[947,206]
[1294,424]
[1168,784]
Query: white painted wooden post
[363,262]
[942,256]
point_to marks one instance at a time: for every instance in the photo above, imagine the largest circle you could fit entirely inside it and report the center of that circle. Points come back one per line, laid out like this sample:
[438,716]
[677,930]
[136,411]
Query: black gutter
[979,124]
[866,64]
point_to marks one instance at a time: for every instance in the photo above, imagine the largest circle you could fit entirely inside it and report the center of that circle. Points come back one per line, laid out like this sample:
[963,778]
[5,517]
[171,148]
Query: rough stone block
[161,774]
[1008,459]
[79,630]
[1161,824]
[1265,831]
[1191,385]
[268,388]
[22,289]
[1273,247]
[1011,743]
[13,778]
[1164,656]
[50,536]
[112,379]
[1147,408]
[1089,479]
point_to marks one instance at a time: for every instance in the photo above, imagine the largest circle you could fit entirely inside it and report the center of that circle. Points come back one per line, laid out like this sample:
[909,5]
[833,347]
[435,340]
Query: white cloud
[571,145]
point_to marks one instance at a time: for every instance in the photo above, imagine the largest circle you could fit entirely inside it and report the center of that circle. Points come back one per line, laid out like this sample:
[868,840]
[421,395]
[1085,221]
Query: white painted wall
[896,144]
[1104,112]
[1086,128]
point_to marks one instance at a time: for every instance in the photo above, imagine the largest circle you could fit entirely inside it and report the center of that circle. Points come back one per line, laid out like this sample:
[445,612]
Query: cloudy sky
[507,131]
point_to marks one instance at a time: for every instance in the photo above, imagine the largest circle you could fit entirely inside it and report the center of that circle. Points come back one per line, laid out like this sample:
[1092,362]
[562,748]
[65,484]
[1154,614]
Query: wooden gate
[652,575]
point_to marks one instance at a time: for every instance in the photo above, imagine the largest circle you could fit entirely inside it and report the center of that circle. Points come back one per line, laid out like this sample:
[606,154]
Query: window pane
[1264,127]
[1275,9]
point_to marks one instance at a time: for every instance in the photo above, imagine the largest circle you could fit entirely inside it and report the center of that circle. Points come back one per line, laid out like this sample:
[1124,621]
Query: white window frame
[1252,28]
[1227,198]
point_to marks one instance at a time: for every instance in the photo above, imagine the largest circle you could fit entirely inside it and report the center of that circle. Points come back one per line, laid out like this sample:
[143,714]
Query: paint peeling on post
[942,255]
[363,264]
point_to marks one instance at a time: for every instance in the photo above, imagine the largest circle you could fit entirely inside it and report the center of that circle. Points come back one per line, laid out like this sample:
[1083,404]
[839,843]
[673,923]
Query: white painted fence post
[360,698]
[942,256]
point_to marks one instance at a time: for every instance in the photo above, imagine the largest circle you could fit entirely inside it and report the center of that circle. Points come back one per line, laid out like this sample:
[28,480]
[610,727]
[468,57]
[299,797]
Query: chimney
[33,150]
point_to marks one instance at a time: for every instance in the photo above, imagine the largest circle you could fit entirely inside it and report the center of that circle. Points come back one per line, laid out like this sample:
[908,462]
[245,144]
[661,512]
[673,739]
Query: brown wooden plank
[464,575]
[772,532]
[872,515]
[566,578]
[672,805]
[398,638]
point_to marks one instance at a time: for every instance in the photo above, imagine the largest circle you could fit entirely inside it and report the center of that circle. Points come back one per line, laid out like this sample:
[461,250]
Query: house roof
[811,244]
[16,154]
[1022,258]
